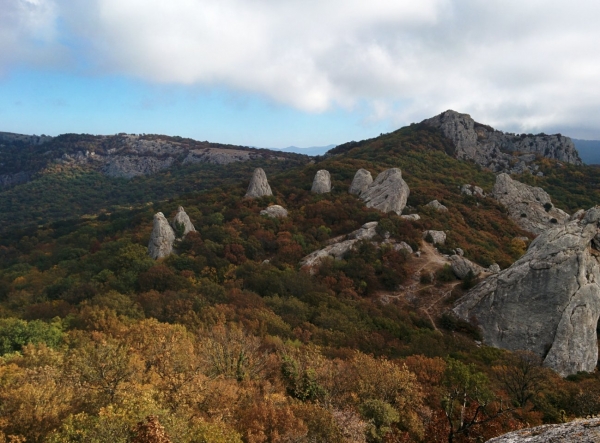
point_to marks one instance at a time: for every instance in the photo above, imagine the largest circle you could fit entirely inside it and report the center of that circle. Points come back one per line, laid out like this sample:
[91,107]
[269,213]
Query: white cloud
[522,66]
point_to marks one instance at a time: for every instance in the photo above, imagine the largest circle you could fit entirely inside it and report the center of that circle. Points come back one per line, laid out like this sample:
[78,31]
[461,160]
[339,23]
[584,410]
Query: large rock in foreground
[530,207]
[578,431]
[548,301]
[162,238]
[361,182]
[322,182]
[388,192]
[182,220]
[259,186]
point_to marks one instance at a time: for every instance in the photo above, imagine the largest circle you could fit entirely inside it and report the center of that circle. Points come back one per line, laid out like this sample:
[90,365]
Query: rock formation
[183,220]
[530,207]
[388,192]
[361,181]
[322,182]
[437,206]
[578,431]
[472,190]
[461,266]
[259,186]
[413,217]
[438,237]
[493,149]
[162,238]
[275,211]
[548,301]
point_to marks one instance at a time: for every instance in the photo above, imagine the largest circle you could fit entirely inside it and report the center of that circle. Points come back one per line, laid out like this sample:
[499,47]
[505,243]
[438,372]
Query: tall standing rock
[182,219]
[530,207]
[162,238]
[548,301]
[322,182]
[388,192]
[361,181]
[259,186]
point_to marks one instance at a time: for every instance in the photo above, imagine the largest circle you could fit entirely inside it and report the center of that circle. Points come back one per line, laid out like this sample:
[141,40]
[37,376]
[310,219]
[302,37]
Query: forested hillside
[229,340]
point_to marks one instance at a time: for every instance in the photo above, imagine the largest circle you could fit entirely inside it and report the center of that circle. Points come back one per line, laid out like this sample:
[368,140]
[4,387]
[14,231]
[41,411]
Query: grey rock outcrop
[494,268]
[338,249]
[438,237]
[275,211]
[548,301]
[434,204]
[322,182]
[493,149]
[388,192]
[259,186]
[461,266]
[578,431]
[472,190]
[530,207]
[361,181]
[162,238]
[413,217]
[182,219]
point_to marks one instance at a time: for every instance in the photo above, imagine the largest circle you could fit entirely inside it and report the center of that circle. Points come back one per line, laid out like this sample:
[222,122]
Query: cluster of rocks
[341,246]
[164,234]
[495,149]
[387,193]
[275,211]
[530,207]
[548,301]
[475,191]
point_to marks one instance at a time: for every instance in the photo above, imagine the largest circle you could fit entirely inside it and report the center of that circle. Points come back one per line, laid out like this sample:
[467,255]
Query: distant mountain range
[312,151]
[589,151]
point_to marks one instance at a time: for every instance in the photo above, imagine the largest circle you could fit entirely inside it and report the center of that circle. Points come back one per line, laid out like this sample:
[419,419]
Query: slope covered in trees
[230,341]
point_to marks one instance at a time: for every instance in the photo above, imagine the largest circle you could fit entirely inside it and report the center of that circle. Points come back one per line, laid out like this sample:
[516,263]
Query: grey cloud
[520,66]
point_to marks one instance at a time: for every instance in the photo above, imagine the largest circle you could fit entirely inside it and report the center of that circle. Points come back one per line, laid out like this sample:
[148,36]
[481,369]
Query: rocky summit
[322,182]
[530,207]
[388,193]
[494,149]
[259,186]
[548,301]
[162,238]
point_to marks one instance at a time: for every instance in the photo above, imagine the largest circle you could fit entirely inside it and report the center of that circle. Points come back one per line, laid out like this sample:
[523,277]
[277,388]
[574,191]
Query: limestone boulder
[412,217]
[361,181]
[182,221]
[275,211]
[461,266]
[259,185]
[548,301]
[388,193]
[438,237]
[321,182]
[577,431]
[162,237]
[437,206]
[472,190]
[530,207]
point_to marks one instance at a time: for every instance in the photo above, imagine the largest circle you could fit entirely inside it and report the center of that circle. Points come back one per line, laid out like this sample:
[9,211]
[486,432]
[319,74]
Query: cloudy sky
[305,72]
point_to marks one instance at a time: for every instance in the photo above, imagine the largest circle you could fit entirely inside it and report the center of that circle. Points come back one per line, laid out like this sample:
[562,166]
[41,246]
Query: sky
[275,73]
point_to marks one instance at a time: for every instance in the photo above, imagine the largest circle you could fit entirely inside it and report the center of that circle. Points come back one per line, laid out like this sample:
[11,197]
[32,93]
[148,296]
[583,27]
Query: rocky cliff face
[493,149]
[578,431]
[530,207]
[259,186]
[548,301]
[162,238]
[322,182]
[388,192]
